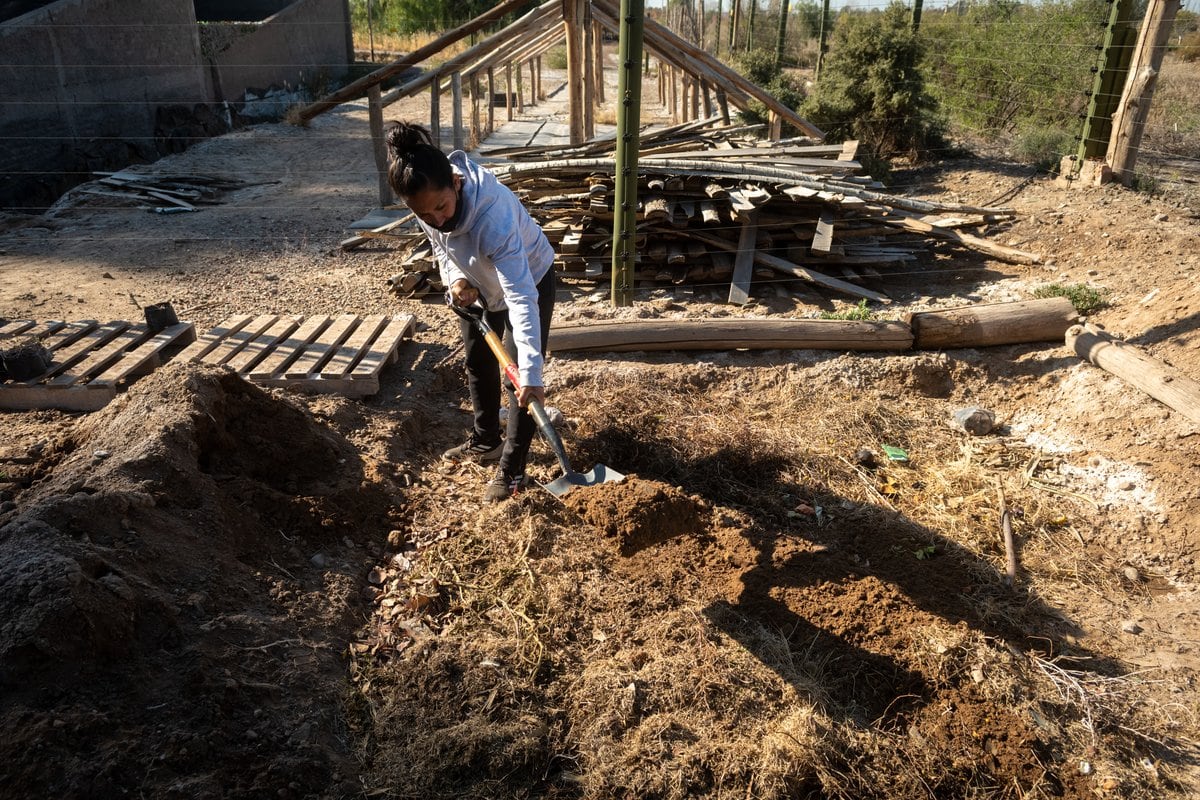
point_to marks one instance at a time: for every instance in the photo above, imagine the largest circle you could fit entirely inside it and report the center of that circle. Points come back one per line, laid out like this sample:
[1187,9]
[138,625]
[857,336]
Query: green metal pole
[1112,68]
[629,93]
[916,16]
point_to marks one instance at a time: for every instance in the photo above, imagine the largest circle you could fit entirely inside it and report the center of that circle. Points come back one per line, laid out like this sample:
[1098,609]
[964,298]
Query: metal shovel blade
[595,475]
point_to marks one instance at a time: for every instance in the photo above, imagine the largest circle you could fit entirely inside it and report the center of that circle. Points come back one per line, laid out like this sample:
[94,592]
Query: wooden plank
[743,264]
[383,349]
[823,239]
[310,361]
[66,356]
[145,356]
[100,359]
[67,334]
[75,398]
[289,348]
[262,344]
[346,356]
[16,327]
[196,351]
[728,334]
[231,345]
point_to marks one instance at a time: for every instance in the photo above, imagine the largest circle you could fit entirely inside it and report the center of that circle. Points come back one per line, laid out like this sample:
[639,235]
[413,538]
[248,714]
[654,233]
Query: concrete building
[89,85]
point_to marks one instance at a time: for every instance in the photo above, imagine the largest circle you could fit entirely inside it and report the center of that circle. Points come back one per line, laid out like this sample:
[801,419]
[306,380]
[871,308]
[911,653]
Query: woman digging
[489,250]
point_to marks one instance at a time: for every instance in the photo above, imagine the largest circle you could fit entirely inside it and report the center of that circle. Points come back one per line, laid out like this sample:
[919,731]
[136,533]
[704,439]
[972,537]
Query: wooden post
[822,39]
[708,103]
[573,21]
[491,101]
[1129,120]
[476,125]
[991,324]
[375,115]
[1162,382]
[723,104]
[538,87]
[456,95]
[598,70]
[435,111]
[533,94]
[735,14]
[508,89]
[589,79]
[774,127]
[520,89]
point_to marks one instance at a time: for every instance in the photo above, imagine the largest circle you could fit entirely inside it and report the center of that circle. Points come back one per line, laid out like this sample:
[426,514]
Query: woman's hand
[462,293]
[527,393]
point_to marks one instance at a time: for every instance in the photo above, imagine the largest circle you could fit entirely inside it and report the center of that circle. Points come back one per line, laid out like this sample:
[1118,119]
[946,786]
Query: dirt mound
[636,512]
[177,593]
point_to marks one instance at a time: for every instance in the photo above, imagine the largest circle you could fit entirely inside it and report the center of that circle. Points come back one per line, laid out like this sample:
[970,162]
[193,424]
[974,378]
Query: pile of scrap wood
[717,207]
[172,193]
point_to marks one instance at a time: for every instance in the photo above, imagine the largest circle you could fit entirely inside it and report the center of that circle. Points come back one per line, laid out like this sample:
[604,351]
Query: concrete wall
[304,44]
[77,91]
[90,85]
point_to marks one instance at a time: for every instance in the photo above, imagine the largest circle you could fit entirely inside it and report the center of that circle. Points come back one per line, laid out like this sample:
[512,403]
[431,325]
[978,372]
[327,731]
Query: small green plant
[859,311]
[556,58]
[1086,299]
[1044,147]
[926,552]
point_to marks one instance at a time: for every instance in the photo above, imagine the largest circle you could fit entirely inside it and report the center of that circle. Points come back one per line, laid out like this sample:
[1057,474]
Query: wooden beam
[992,324]
[358,88]
[1162,382]
[730,334]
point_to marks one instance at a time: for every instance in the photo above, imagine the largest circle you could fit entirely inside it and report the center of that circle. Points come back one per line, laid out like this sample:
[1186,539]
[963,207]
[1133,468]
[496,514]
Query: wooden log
[730,334]
[359,87]
[574,15]
[1129,363]
[993,324]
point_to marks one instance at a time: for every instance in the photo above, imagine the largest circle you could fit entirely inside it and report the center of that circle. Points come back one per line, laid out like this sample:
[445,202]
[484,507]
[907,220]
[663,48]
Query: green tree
[872,89]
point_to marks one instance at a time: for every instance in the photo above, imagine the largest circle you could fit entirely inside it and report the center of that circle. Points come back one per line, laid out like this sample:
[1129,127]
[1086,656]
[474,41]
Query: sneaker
[504,486]
[474,449]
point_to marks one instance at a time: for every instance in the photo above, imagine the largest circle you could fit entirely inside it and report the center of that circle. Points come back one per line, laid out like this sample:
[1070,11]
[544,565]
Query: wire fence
[1012,80]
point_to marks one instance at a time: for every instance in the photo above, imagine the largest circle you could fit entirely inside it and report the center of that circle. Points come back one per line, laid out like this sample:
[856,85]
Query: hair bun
[405,138]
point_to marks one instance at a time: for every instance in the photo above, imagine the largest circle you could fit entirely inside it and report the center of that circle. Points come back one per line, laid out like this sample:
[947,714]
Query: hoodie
[501,251]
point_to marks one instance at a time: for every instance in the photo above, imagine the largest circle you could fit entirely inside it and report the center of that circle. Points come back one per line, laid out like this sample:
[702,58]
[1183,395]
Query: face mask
[452,223]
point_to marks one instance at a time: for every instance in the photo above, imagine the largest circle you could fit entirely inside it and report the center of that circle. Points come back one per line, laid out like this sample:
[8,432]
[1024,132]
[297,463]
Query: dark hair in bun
[414,163]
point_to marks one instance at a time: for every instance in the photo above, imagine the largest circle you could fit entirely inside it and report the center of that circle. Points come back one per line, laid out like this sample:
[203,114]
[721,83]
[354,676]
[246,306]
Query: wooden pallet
[341,355]
[90,361]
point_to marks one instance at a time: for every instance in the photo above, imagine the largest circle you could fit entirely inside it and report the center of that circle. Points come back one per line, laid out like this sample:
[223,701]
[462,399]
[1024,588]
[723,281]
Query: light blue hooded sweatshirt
[497,248]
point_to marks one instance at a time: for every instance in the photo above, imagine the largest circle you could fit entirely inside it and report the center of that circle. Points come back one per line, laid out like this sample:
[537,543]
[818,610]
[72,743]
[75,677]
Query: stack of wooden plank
[718,207]
[171,193]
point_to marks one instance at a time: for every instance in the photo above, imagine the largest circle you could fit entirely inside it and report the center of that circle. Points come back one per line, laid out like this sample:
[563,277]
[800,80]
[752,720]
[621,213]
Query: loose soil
[214,590]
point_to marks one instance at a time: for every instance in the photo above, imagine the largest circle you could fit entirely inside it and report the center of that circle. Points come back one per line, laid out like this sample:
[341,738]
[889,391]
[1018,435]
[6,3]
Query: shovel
[570,478]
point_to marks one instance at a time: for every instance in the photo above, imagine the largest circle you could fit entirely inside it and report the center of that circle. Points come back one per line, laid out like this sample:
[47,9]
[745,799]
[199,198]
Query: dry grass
[642,676]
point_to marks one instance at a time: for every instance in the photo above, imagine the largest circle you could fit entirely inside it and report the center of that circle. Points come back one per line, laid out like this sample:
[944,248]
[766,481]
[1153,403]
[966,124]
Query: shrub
[1086,299]
[1189,47]
[1044,147]
[871,87]
[758,66]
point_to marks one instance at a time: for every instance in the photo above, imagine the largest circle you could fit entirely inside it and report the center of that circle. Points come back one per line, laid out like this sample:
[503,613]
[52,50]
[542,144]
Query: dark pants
[483,380]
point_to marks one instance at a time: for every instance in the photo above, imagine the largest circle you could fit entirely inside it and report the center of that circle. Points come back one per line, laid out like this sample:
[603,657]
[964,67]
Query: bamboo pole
[629,96]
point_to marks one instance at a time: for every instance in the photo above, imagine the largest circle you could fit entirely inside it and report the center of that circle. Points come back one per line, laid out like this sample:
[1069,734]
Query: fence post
[629,99]
[916,15]
[823,38]
[375,119]
[1112,67]
[1129,120]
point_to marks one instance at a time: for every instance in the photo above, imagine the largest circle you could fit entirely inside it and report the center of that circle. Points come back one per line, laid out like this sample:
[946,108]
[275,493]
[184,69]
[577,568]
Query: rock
[319,560]
[1129,626]
[1161,217]
[865,457]
[974,420]
[1132,574]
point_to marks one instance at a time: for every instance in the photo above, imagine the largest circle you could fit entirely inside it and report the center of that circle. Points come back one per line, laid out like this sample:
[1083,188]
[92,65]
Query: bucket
[159,316]
[25,361]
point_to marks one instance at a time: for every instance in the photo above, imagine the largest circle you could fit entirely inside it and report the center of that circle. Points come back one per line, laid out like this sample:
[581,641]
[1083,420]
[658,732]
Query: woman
[490,250]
